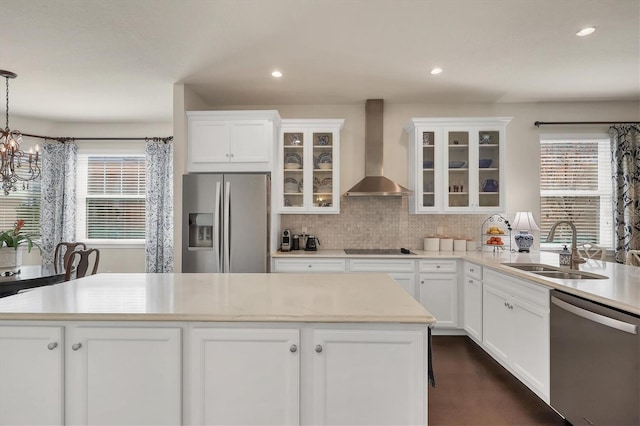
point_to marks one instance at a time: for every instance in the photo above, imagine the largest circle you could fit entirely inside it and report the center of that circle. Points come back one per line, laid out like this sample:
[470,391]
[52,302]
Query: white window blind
[575,185]
[22,204]
[111,197]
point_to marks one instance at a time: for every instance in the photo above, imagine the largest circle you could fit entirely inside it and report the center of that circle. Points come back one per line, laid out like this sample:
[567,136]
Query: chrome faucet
[576,259]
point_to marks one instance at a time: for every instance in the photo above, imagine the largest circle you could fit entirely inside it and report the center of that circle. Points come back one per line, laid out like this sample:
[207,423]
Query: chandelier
[16,165]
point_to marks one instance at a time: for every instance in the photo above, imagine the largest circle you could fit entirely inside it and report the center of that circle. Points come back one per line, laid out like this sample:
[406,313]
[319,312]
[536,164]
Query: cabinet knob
[422,282]
[227,154]
[309,266]
[76,346]
[471,269]
[293,348]
[470,281]
[318,348]
[51,346]
[437,266]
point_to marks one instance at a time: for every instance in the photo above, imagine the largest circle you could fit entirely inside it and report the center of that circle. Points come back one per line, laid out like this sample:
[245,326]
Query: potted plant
[10,241]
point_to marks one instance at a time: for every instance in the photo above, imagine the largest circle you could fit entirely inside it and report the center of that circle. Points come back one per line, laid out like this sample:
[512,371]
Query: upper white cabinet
[457,164]
[232,141]
[309,166]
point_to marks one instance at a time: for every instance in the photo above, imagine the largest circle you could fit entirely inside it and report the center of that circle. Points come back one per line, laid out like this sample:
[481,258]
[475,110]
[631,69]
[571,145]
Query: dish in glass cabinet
[292,161]
[325,158]
[295,139]
[485,138]
[290,180]
[456,164]
[322,140]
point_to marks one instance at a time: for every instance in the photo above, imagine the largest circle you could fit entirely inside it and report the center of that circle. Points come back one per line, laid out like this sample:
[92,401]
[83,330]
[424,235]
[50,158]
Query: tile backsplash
[376,222]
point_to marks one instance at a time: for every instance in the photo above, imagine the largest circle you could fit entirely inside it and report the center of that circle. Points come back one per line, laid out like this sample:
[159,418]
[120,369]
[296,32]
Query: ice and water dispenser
[200,229]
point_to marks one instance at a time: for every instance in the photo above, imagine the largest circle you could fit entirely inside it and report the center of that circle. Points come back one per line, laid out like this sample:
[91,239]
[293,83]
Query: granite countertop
[370,298]
[621,288]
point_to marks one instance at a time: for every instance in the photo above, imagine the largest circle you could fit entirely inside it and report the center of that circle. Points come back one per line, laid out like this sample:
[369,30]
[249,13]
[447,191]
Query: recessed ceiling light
[276,74]
[436,71]
[585,31]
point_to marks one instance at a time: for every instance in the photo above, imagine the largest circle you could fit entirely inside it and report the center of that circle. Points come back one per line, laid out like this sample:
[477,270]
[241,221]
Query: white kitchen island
[214,349]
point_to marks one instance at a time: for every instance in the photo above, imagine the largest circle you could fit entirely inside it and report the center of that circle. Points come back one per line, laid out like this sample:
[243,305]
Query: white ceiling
[117,60]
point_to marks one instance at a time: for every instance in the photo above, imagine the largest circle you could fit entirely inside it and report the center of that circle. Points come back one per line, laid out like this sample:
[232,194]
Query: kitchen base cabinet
[123,375]
[75,374]
[516,328]
[369,377]
[31,375]
[473,301]
[403,271]
[439,291]
[309,265]
[244,376]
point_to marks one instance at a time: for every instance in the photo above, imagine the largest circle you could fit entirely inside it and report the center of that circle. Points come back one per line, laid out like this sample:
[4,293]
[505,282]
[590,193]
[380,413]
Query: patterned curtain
[159,210]
[58,196]
[625,154]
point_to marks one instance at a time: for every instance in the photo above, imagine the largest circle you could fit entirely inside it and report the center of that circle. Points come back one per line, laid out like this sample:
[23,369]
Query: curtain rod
[69,139]
[547,123]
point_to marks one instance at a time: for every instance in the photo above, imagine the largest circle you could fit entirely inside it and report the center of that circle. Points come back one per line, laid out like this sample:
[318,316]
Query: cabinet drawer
[316,265]
[533,293]
[438,266]
[382,265]
[473,271]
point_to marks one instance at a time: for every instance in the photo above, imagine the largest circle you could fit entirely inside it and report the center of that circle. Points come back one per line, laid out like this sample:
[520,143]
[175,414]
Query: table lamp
[524,223]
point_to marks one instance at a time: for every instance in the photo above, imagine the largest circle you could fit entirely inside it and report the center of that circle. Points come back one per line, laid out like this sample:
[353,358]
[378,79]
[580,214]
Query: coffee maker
[312,243]
[286,240]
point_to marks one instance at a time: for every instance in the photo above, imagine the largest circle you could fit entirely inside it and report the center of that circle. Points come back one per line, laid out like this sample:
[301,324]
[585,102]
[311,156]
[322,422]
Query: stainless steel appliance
[595,362]
[312,243]
[286,240]
[295,245]
[225,222]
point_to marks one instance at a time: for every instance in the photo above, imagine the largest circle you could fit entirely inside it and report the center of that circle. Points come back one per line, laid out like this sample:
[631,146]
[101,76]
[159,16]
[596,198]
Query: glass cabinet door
[428,169]
[323,171]
[293,172]
[489,145]
[457,174]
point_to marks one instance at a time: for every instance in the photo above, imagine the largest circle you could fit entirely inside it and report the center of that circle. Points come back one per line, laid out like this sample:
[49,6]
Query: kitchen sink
[550,271]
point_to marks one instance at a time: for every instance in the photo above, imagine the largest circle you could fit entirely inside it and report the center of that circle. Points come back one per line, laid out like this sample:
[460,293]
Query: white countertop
[374,298]
[621,288]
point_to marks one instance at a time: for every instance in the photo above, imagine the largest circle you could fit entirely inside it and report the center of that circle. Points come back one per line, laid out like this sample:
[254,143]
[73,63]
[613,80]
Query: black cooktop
[378,251]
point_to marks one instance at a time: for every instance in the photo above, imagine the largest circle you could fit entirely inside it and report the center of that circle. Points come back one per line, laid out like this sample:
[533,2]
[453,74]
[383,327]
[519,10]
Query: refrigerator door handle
[226,252]
[216,228]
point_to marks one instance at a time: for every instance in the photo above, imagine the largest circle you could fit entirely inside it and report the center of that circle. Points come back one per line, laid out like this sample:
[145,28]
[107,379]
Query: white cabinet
[225,141]
[473,300]
[439,291]
[309,265]
[73,374]
[369,377]
[403,271]
[516,328]
[31,375]
[308,172]
[244,376]
[457,164]
[123,375]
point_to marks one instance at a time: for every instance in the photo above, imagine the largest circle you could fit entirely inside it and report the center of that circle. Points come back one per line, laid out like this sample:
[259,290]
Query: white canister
[471,245]
[459,245]
[432,244]
[446,244]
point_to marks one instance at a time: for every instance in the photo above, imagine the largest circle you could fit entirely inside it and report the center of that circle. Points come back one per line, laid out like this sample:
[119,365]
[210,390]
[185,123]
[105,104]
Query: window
[575,185]
[21,204]
[111,195]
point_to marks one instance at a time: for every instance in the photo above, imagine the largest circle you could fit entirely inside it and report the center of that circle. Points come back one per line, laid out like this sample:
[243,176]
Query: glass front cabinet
[457,164]
[309,166]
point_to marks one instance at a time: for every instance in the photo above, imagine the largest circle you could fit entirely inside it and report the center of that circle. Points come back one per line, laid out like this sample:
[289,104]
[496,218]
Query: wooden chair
[633,258]
[62,253]
[591,251]
[80,267]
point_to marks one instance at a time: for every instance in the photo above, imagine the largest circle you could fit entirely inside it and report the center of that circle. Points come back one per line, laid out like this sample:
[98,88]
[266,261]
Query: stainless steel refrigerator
[225,222]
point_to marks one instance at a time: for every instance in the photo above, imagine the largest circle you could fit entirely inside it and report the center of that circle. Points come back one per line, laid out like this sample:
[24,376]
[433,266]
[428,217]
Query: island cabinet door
[368,377]
[31,375]
[244,376]
[123,375]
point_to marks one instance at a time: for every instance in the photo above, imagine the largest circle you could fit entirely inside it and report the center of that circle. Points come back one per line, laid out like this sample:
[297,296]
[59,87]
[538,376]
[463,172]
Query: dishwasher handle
[592,316]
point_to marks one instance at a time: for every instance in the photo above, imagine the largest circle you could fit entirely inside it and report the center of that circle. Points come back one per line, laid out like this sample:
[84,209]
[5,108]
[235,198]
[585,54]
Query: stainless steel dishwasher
[595,362]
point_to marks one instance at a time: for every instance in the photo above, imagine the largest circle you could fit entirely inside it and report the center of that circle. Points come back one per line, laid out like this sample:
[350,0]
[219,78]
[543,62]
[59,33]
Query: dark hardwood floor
[473,389]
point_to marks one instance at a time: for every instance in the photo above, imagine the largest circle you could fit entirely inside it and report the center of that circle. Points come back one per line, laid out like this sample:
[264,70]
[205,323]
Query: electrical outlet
[440,230]
[304,230]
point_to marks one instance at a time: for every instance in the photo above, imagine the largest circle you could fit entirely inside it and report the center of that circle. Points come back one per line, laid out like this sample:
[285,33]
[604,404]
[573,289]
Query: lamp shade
[524,222]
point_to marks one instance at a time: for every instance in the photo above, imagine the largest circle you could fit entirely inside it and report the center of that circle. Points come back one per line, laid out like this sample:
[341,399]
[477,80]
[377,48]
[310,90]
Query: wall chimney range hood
[374,184]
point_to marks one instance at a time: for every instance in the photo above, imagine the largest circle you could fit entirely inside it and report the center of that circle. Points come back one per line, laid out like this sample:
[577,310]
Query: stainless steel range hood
[374,184]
